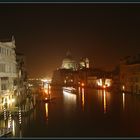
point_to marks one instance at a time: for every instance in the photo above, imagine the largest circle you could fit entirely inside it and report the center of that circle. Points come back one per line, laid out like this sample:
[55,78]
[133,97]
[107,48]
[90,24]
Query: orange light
[104,86]
[82,84]
[45,90]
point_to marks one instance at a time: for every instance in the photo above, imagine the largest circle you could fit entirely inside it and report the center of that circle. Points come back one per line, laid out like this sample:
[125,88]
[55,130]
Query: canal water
[88,113]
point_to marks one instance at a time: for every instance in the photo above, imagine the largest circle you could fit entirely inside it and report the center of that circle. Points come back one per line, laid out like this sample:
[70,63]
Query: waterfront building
[8,73]
[130,74]
[78,73]
[22,77]
[84,63]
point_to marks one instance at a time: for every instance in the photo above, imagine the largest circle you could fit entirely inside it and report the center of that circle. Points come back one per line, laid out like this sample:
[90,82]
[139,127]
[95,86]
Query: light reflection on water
[108,110]
[123,95]
[104,101]
[13,127]
[83,98]
[46,109]
[69,100]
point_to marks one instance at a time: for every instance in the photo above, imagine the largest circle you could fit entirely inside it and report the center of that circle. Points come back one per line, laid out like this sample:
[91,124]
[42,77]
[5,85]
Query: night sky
[44,32]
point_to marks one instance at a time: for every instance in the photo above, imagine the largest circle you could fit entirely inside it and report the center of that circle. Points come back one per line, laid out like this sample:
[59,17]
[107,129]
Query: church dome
[68,62]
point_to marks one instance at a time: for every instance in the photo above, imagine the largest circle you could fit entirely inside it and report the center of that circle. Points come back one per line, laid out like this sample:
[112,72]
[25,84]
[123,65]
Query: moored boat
[69,89]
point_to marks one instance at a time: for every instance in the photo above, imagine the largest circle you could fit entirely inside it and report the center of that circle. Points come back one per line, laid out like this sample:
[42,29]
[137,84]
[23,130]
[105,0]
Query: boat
[69,89]
[47,99]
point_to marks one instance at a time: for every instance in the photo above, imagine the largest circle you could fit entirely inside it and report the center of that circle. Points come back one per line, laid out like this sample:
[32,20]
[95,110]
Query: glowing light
[82,84]
[83,98]
[30,85]
[9,121]
[19,116]
[46,80]
[123,100]
[4,109]
[46,108]
[45,90]
[123,87]
[99,82]
[13,127]
[13,100]
[107,82]
[49,87]
[104,101]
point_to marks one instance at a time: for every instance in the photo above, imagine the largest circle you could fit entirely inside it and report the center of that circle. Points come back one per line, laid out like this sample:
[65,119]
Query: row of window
[7,68]
[131,79]
[6,51]
[3,86]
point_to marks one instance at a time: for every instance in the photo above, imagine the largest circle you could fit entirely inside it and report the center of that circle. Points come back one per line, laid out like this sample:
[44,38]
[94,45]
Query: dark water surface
[89,113]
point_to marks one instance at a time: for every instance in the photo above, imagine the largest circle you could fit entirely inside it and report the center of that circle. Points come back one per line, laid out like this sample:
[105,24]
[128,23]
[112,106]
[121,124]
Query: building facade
[130,74]
[21,81]
[7,73]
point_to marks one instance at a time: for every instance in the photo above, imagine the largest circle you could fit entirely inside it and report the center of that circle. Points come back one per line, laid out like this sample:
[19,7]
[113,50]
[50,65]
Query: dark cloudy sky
[44,32]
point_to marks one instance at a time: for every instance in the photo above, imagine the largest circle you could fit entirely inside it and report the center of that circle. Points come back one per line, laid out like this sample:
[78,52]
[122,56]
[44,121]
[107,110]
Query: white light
[123,100]
[123,87]
[83,98]
[99,82]
[13,130]
[46,108]
[13,100]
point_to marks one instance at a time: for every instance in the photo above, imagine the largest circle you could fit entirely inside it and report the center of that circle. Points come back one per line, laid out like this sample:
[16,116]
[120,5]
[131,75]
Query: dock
[5,131]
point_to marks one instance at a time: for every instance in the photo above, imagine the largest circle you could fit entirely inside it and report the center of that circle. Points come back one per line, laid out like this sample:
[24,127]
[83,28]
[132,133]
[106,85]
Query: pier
[5,131]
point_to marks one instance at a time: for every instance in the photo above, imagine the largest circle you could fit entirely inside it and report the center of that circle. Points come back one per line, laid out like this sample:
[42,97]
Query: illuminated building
[68,62]
[7,72]
[69,74]
[65,77]
[130,74]
[22,76]
[84,63]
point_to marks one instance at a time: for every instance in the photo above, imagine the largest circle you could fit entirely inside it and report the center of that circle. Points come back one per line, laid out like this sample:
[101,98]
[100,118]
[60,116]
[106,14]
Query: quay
[5,131]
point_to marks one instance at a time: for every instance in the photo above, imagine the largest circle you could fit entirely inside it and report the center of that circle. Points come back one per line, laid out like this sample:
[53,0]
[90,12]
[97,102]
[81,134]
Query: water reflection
[79,90]
[9,120]
[104,101]
[46,109]
[69,101]
[20,133]
[83,98]
[123,100]
[103,97]
[69,97]
[19,115]
[5,113]
[13,127]
[75,119]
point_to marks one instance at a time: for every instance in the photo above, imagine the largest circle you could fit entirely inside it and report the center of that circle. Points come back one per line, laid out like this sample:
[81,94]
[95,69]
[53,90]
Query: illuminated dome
[68,62]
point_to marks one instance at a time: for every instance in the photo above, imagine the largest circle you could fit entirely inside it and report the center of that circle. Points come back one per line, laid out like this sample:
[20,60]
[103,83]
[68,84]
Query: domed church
[68,62]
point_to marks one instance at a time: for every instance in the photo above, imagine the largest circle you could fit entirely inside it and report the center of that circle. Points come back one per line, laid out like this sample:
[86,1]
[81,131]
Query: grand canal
[88,113]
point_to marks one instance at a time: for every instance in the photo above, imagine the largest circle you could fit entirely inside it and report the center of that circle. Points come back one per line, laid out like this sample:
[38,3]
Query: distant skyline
[45,32]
